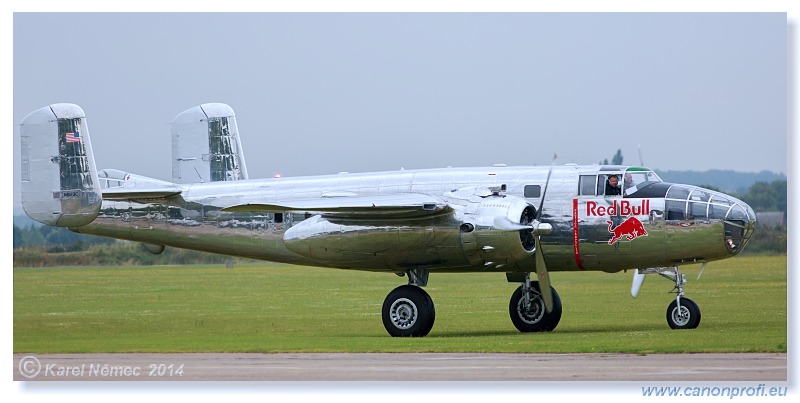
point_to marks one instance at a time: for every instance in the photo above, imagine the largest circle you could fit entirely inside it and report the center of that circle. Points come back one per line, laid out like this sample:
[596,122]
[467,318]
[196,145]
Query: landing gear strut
[527,309]
[683,313]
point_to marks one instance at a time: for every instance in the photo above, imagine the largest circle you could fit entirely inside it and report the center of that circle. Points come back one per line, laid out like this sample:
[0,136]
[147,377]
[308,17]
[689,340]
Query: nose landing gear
[682,313]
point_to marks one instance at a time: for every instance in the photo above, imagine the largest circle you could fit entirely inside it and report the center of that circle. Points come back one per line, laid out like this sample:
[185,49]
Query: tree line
[763,196]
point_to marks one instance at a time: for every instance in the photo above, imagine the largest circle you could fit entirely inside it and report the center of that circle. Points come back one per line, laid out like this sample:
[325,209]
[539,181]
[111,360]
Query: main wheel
[535,318]
[687,317]
[408,312]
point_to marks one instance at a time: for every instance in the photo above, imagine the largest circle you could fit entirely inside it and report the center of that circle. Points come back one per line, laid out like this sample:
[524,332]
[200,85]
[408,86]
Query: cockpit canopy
[614,181]
[638,178]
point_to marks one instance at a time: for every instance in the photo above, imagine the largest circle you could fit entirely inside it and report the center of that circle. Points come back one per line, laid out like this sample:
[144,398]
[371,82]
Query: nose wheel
[683,313]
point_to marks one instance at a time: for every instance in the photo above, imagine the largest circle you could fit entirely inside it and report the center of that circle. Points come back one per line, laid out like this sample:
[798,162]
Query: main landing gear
[408,310]
[527,308]
[682,313]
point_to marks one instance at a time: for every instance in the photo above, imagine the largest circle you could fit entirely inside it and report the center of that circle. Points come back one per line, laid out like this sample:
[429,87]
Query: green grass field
[281,308]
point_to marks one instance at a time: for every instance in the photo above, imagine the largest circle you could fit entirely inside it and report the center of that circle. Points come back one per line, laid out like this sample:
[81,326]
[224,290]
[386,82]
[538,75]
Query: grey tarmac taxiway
[400,367]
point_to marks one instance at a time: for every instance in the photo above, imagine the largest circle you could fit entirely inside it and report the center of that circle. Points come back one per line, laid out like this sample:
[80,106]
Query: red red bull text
[620,208]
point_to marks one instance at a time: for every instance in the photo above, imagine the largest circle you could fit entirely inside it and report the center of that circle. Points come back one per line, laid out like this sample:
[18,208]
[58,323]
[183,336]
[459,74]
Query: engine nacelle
[366,245]
[497,230]
[486,230]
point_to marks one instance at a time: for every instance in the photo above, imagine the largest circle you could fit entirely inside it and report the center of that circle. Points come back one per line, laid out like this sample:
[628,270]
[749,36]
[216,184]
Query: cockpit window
[698,204]
[609,185]
[587,184]
[531,191]
[636,179]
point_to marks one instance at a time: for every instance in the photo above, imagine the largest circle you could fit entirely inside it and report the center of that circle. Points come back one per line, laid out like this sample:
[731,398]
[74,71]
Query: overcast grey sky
[323,93]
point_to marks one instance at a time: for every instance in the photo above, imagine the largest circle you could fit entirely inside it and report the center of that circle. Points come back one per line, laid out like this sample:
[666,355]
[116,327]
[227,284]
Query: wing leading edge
[385,206]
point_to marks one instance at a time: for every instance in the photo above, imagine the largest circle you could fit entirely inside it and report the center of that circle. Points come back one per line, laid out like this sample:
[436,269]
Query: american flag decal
[73,137]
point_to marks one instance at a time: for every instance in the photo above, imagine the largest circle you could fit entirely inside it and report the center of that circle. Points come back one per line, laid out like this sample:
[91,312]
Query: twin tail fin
[59,178]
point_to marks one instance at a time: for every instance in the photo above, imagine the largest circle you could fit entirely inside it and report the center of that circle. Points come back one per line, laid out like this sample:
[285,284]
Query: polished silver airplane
[521,221]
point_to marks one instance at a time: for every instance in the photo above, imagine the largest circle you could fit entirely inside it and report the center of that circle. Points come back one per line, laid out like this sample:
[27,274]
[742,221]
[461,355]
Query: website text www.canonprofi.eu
[758,390]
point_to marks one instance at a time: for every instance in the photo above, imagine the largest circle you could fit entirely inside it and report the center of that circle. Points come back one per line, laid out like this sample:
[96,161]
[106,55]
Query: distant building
[770,219]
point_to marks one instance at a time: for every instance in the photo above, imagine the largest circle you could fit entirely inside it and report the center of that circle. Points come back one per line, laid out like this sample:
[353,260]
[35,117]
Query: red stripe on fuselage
[575,239]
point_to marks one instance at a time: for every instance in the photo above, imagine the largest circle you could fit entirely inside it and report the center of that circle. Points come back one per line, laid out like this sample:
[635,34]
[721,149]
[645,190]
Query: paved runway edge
[400,367]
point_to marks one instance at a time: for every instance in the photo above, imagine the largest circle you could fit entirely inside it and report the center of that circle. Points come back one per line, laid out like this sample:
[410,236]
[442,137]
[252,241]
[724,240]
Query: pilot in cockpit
[628,180]
[612,186]
[630,187]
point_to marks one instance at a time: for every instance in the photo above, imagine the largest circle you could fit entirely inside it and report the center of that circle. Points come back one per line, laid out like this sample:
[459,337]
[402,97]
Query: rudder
[59,177]
[206,145]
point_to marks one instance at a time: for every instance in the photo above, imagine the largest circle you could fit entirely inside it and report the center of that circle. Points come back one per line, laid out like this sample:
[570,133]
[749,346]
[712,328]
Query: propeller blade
[544,192]
[544,278]
[504,224]
[541,269]
[638,280]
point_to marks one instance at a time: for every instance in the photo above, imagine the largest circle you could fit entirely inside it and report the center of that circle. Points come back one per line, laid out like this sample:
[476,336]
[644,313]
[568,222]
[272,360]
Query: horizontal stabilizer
[119,185]
[139,194]
[408,204]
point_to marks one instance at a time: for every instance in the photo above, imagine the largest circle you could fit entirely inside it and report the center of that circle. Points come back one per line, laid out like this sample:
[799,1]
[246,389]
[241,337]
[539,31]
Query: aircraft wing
[384,206]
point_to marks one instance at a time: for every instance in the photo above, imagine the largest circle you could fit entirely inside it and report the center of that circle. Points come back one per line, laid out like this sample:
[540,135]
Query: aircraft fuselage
[590,231]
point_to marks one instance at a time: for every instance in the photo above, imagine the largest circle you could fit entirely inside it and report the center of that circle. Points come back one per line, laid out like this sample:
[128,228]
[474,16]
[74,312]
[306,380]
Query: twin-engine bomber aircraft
[512,220]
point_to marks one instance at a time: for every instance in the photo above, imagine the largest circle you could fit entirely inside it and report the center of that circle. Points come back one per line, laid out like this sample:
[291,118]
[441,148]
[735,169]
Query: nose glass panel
[691,203]
[738,227]
[677,202]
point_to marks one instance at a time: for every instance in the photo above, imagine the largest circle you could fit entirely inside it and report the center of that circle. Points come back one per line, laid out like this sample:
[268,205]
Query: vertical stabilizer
[59,178]
[206,145]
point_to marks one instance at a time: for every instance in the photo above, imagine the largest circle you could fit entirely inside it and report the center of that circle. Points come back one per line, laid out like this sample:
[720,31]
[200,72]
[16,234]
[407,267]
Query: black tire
[536,319]
[688,317]
[408,312]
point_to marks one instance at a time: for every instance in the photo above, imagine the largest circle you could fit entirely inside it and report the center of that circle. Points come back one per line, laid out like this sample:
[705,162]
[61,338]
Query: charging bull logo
[631,228]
